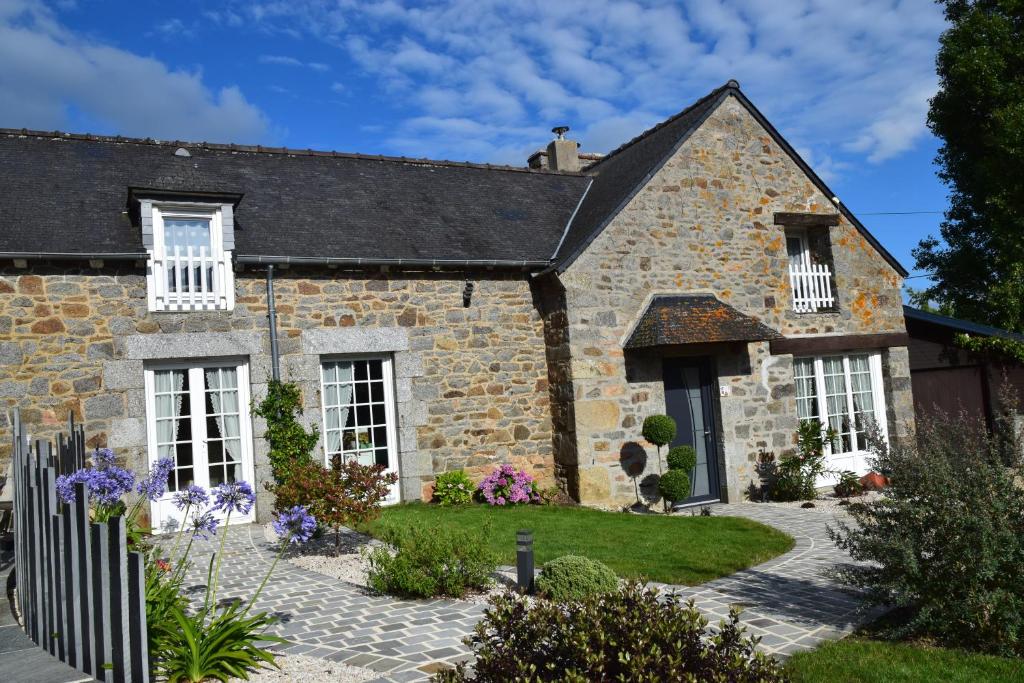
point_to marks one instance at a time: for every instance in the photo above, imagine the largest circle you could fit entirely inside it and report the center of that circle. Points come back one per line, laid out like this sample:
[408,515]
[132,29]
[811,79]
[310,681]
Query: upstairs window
[809,278]
[189,267]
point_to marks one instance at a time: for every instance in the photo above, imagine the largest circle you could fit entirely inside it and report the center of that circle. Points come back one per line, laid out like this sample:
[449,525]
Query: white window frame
[216,295]
[162,509]
[811,283]
[390,412]
[854,459]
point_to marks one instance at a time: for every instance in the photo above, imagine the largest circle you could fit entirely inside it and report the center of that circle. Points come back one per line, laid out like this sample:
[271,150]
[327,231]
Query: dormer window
[190,256]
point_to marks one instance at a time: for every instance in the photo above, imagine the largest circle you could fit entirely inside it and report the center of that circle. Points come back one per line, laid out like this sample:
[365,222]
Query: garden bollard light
[524,560]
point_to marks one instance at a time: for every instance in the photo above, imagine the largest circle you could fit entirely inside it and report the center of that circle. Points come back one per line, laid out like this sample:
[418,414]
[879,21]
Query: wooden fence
[81,594]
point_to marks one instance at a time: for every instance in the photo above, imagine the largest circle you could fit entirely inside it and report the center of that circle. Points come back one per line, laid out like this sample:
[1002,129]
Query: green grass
[858,660]
[680,549]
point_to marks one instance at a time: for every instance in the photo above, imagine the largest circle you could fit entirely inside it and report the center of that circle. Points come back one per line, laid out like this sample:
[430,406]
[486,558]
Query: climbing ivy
[290,443]
[1000,347]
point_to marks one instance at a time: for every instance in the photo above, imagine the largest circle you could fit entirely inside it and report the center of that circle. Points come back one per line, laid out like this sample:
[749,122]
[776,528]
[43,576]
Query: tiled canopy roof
[691,319]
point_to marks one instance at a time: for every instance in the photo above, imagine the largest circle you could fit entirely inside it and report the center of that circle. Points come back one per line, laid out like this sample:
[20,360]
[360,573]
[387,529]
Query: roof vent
[560,132]
[181,152]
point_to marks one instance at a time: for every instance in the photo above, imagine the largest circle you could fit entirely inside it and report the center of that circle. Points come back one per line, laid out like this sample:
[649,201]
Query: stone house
[441,315]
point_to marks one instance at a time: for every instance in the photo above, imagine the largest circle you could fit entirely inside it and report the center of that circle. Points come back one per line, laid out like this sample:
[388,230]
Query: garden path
[788,601]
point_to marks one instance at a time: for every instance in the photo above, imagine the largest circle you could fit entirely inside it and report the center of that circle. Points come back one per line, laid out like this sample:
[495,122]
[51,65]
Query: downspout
[275,361]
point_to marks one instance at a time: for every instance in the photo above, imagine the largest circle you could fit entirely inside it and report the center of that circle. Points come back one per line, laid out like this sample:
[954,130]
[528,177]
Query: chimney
[563,155]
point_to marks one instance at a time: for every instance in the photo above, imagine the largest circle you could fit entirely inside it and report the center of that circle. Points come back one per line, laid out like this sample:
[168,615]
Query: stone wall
[704,224]
[471,383]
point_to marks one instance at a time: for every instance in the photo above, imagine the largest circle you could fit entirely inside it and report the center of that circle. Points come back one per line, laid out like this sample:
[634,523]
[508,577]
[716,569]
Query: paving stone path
[788,601]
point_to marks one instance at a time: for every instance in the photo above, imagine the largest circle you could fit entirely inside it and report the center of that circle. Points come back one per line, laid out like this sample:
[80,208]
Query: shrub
[795,477]
[342,495]
[290,443]
[848,485]
[674,485]
[454,488]
[682,458]
[573,577]
[506,486]
[946,543]
[659,429]
[631,634]
[429,562]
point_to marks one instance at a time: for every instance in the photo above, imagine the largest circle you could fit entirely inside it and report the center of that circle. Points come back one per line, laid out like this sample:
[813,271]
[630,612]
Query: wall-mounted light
[467,294]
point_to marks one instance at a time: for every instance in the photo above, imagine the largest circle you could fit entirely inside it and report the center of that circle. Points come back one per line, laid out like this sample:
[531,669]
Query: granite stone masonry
[471,385]
[704,223]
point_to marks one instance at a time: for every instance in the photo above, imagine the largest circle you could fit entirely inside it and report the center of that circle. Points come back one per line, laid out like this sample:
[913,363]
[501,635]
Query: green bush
[454,488]
[674,485]
[430,562]
[848,485]
[573,577]
[659,429]
[290,443]
[795,477]
[946,543]
[631,634]
[682,458]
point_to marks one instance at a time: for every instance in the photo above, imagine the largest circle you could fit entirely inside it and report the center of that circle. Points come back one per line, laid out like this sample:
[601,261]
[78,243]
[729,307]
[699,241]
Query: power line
[895,213]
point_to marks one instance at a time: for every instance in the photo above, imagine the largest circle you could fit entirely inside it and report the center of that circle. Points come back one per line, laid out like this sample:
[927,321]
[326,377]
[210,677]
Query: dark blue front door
[689,400]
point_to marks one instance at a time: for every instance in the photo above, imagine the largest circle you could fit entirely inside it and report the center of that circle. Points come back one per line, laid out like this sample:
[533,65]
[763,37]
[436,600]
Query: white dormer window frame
[189,268]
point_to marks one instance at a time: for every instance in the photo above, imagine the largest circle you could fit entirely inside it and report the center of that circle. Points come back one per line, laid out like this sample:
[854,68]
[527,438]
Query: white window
[198,415]
[845,394]
[189,267]
[358,411]
[811,282]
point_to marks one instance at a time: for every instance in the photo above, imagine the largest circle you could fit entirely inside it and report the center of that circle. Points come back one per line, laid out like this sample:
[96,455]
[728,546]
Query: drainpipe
[275,361]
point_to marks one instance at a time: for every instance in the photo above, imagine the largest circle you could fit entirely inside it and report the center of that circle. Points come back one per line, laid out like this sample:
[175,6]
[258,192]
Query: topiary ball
[659,429]
[573,577]
[674,485]
[682,458]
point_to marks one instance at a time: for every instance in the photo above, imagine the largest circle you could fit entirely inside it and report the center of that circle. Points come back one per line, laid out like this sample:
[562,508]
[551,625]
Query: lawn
[680,549]
[858,660]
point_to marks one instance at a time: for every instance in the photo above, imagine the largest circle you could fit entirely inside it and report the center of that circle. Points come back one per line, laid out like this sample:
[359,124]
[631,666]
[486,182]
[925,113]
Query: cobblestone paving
[788,601]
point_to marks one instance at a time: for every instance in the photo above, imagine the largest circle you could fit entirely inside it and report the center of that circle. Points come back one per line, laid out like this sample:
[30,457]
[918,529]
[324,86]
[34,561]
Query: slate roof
[63,193]
[916,314]
[69,194]
[693,319]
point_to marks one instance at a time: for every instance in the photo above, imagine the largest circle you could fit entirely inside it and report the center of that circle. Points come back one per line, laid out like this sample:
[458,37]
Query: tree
[978,114]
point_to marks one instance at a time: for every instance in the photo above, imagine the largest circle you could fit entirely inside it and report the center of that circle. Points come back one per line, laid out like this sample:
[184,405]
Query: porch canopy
[694,319]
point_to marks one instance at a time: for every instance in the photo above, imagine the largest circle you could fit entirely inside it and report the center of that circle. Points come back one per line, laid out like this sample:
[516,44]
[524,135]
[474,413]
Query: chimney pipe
[563,155]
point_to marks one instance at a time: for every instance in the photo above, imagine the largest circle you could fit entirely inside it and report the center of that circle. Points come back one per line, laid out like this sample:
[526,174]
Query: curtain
[168,409]
[222,387]
[338,403]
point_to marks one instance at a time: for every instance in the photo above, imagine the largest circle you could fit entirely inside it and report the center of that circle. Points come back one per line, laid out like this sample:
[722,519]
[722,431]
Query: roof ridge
[731,84]
[261,149]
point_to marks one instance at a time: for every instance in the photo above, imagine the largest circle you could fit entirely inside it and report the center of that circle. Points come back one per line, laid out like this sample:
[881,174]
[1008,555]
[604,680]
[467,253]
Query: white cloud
[835,76]
[53,77]
[288,60]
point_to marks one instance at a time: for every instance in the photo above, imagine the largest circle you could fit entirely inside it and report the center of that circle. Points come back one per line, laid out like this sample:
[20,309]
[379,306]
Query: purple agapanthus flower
[102,458]
[154,486]
[236,496]
[204,525]
[192,496]
[106,483]
[295,525]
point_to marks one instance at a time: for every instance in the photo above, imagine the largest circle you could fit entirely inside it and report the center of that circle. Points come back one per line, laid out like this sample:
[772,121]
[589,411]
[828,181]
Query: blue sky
[846,82]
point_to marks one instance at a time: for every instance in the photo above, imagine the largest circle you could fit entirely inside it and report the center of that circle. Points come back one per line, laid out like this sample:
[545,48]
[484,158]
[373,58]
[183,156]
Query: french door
[198,415]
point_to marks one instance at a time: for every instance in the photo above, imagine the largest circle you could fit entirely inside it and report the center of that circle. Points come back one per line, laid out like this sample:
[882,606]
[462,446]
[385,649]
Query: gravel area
[829,502]
[310,670]
[349,563]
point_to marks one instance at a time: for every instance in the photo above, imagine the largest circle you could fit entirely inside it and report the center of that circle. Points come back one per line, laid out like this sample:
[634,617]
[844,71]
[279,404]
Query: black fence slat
[101,649]
[137,618]
[58,588]
[84,571]
[117,563]
[72,602]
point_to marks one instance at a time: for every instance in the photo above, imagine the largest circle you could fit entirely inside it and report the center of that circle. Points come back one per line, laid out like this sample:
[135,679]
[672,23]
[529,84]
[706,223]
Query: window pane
[376,369]
[360,368]
[355,413]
